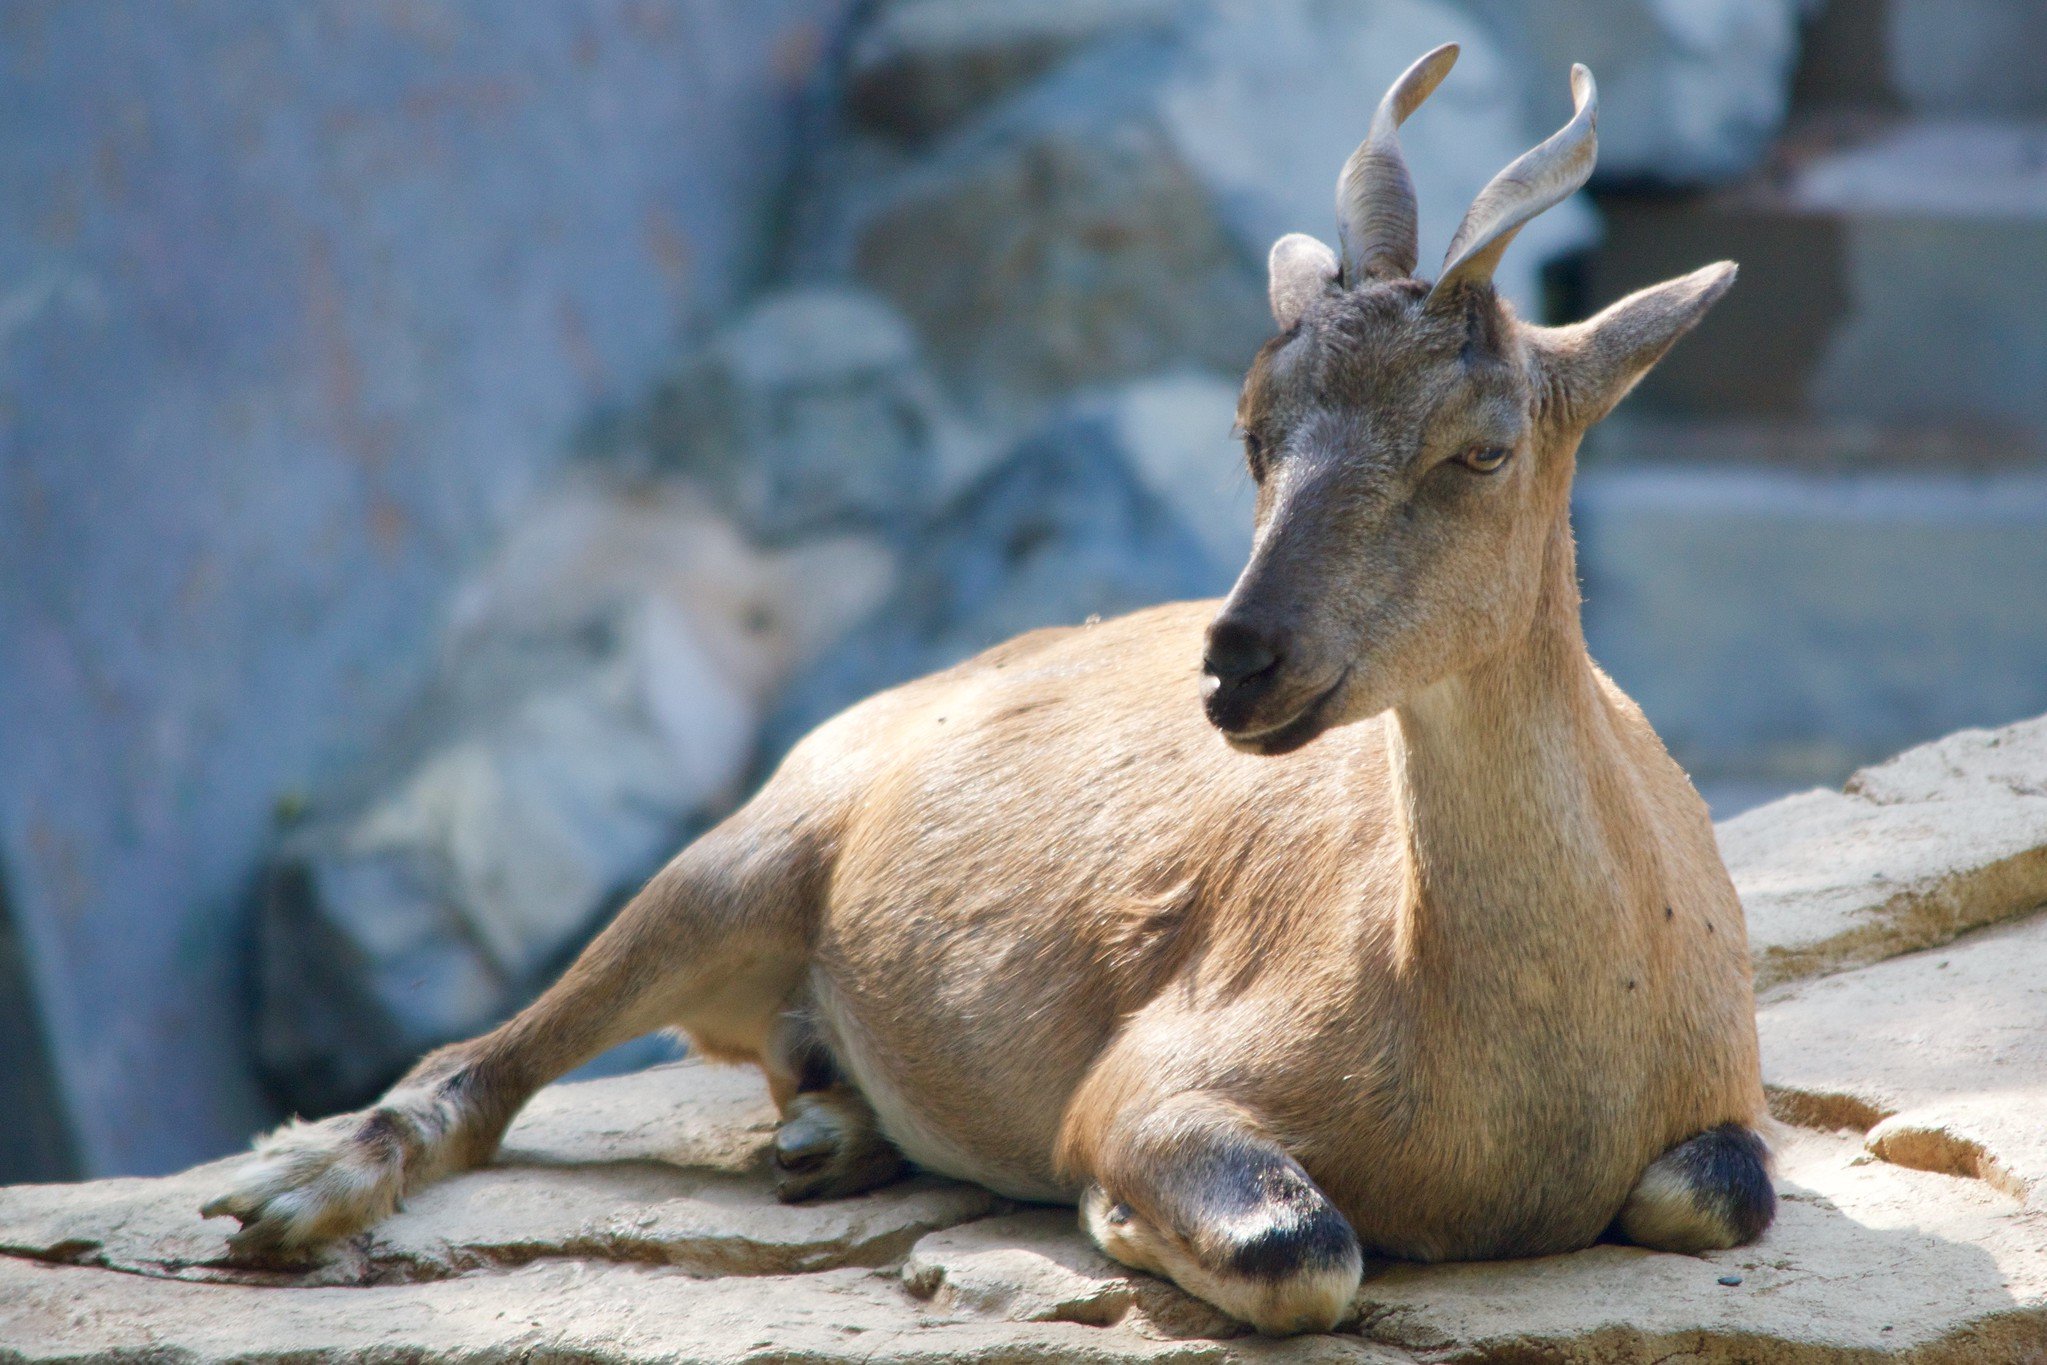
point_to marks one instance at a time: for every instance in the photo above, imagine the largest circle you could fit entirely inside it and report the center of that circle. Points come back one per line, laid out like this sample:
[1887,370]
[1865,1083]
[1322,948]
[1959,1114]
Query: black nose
[1238,652]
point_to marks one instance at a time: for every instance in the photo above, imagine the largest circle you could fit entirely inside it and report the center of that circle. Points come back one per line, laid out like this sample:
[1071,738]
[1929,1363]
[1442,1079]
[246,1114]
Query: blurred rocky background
[447,455]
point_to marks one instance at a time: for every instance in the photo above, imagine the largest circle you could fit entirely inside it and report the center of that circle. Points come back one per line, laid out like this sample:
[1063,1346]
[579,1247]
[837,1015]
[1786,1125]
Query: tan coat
[1358,912]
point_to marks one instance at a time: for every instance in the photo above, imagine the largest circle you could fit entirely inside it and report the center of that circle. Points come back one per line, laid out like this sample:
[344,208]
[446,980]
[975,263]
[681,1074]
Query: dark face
[1402,511]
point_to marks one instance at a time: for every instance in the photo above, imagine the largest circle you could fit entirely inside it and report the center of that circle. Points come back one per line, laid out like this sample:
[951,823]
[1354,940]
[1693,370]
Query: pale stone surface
[1038,1267]
[1944,838]
[1941,1055]
[547,1311]
[665,1167]
[1868,1261]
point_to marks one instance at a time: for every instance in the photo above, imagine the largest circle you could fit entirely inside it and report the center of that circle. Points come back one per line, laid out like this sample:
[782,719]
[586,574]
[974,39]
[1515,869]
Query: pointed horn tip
[1716,279]
[1427,73]
[1541,179]
[1583,89]
[1413,86]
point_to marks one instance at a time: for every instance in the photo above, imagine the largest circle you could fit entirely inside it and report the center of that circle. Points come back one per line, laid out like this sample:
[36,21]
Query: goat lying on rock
[1417,944]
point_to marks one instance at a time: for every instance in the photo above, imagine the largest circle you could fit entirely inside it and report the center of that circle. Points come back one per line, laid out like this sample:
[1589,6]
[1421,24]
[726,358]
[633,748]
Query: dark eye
[1254,453]
[1484,459]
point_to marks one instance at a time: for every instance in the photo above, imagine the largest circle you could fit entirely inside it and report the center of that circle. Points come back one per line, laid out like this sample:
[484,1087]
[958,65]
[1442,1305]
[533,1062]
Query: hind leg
[1196,1192]
[1707,1193]
[830,1144]
[715,943]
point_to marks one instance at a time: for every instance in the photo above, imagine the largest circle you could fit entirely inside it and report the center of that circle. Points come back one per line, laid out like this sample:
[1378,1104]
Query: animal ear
[1591,365]
[1301,269]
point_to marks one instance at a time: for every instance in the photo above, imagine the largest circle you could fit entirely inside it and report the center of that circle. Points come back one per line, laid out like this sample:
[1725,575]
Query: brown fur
[1464,949]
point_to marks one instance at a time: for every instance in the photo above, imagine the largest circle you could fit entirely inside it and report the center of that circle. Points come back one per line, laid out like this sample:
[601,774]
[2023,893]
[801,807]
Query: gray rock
[811,412]
[439,907]
[1791,625]
[1927,56]
[1061,530]
[1967,56]
[300,302]
[1888,281]
[36,1145]
[600,688]
[1866,416]
[1060,256]
[917,67]
[594,545]
[1178,434]
[1689,94]
[1943,231]
[1112,220]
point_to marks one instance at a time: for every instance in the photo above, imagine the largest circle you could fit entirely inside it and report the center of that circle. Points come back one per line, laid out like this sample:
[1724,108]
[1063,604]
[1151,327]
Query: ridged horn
[1536,180]
[1375,209]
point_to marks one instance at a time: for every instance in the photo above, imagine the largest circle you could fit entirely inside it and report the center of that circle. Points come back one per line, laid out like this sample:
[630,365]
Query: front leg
[1194,1190]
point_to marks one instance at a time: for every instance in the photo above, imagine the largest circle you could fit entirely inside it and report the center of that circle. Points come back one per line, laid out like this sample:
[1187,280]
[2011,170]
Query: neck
[1511,786]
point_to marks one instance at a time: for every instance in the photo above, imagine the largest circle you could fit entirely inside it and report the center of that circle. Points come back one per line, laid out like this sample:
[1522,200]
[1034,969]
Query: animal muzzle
[1265,695]
[1243,663]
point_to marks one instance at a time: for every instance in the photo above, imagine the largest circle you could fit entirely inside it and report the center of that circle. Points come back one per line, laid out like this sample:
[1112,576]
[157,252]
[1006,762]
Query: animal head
[1413,441]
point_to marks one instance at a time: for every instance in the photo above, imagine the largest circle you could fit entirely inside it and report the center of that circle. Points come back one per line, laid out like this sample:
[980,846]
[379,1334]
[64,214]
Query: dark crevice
[36,1143]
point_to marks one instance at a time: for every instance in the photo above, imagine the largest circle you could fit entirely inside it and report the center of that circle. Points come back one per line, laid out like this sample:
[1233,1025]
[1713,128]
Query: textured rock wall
[298,304]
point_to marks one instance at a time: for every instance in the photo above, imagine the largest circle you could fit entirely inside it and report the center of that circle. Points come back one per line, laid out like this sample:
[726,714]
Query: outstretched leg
[1195,1191]
[1707,1193]
[715,943]
[830,1144]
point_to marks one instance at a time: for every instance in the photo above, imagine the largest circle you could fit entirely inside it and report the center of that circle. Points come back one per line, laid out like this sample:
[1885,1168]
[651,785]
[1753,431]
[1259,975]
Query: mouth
[1289,735]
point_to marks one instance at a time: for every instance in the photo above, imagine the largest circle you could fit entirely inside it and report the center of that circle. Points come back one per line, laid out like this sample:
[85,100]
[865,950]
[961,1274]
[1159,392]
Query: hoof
[828,1148]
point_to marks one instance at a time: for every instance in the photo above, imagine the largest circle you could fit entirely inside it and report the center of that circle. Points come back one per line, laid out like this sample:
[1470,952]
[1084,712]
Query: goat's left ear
[1591,365]
[1300,269]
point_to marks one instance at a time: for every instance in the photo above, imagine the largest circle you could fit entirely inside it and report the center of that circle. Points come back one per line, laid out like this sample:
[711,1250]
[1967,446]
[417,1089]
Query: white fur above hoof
[309,1184]
[1281,1279]
[1708,1193]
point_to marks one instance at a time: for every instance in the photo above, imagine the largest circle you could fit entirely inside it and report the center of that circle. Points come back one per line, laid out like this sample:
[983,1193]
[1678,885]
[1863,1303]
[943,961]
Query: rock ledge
[1904,1036]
